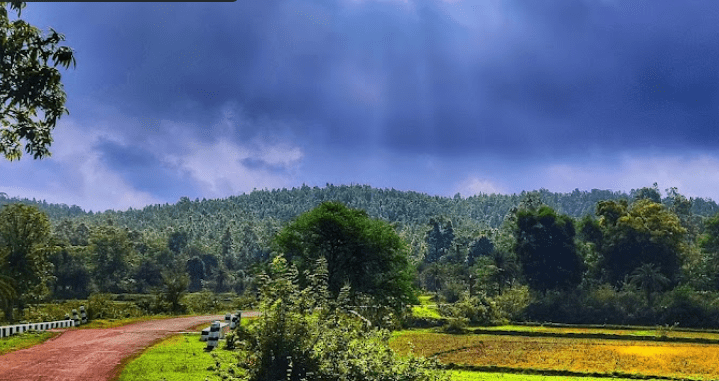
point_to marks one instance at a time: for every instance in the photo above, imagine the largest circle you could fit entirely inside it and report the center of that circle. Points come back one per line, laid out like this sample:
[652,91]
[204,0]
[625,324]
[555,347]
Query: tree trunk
[7,309]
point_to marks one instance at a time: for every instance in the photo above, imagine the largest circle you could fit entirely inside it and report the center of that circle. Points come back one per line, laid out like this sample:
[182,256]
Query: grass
[621,332]
[458,375]
[426,309]
[112,323]
[179,357]
[24,340]
[564,354]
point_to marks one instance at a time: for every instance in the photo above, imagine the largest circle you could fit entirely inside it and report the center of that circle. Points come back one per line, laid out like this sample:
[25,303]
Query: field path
[91,354]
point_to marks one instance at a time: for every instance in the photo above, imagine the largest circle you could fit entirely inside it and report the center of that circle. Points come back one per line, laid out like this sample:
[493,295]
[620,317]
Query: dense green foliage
[25,248]
[632,235]
[305,334]
[461,248]
[29,81]
[545,247]
[363,253]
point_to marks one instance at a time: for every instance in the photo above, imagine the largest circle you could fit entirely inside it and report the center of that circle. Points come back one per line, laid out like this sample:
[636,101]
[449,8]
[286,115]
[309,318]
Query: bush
[304,334]
[512,302]
[202,302]
[452,291]
[479,309]
[103,306]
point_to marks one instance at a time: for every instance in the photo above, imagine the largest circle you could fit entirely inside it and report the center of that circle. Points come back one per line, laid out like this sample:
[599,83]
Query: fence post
[212,340]
[75,317]
[235,321]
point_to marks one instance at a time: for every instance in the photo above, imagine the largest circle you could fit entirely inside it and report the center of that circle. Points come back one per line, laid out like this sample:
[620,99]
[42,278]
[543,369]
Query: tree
[174,283]
[304,334]
[480,247]
[643,232]
[71,275]
[7,284]
[24,241]
[366,254]
[439,239]
[29,81]
[546,251]
[113,258]
[648,278]
[177,241]
[196,270]
[498,267]
[645,193]
[709,243]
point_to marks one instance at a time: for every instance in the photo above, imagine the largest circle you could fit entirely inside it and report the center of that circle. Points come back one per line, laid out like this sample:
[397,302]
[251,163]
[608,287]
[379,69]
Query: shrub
[478,309]
[304,334]
[512,302]
[202,302]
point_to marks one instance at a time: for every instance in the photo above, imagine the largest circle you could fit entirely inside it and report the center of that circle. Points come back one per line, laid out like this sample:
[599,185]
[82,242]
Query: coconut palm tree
[648,278]
[7,284]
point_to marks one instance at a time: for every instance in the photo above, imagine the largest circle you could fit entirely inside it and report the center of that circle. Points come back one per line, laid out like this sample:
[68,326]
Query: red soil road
[91,354]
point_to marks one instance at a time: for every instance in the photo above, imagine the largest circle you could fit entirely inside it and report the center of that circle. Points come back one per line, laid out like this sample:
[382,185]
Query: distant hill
[281,206]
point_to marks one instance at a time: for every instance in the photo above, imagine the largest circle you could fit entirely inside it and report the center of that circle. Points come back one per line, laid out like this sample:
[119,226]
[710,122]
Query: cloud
[224,168]
[474,185]
[694,175]
[74,174]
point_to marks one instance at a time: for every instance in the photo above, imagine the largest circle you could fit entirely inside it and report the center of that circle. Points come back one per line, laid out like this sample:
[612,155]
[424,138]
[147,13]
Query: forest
[597,257]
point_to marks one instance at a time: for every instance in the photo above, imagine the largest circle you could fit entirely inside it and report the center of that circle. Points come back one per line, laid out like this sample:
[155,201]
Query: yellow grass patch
[578,355]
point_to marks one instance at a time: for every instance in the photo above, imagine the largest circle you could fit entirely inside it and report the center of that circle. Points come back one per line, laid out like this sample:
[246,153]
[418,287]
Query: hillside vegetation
[588,256]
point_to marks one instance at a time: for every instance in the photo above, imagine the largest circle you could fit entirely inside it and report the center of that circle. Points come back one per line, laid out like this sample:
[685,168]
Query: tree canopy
[29,82]
[644,232]
[24,242]
[367,254]
[545,248]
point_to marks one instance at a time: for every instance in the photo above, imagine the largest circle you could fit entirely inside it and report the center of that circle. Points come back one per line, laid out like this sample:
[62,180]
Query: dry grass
[622,332]
[577,355]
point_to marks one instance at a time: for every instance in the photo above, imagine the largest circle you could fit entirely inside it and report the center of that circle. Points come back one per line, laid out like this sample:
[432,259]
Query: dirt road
[90,354]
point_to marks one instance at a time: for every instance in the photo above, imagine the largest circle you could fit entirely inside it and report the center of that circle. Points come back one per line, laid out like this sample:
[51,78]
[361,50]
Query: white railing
[9,330]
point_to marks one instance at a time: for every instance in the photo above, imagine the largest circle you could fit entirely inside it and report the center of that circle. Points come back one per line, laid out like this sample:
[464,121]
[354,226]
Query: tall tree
[196,271]
[646,193]
[24,236]
[546,251]
[648,278]
[113,258]
[174,284]
[71,274]
[7,284]
[365,253]
[29,82]
[643,232]
[439,239]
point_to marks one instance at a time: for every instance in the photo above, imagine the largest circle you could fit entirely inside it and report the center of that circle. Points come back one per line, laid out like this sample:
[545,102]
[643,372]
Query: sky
[209,100]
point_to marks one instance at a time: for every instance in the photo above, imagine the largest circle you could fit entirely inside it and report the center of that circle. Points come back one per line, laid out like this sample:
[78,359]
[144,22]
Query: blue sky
[437,96]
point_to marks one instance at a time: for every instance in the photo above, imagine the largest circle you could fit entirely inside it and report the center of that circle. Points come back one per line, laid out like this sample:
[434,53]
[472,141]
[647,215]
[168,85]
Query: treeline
[597,243]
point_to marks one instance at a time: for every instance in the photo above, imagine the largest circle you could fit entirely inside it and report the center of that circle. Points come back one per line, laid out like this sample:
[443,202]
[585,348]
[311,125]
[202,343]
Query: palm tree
[648,278]
[504,268]
[7,284]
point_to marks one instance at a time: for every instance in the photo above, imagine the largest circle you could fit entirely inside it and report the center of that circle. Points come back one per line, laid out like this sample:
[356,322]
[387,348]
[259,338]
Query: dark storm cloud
[557,77]
[145,171]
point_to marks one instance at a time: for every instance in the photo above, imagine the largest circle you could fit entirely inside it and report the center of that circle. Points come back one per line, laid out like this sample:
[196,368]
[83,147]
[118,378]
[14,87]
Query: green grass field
[181,357]
[426,309]
[24,340]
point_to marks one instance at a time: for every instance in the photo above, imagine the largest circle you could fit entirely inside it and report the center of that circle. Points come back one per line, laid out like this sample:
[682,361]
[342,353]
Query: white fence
[9,330]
